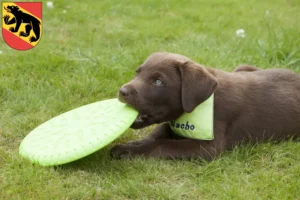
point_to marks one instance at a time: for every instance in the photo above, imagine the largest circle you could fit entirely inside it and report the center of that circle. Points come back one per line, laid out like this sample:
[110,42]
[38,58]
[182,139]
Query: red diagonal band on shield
[14,41]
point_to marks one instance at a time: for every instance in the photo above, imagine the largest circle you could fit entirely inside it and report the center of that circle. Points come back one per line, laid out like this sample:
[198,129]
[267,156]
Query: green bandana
[197,124]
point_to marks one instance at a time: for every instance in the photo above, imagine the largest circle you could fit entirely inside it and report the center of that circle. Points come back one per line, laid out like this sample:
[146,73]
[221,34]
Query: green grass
[87,53]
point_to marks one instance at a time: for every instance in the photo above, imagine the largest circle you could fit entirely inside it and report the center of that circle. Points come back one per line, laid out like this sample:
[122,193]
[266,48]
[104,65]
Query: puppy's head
[165,86]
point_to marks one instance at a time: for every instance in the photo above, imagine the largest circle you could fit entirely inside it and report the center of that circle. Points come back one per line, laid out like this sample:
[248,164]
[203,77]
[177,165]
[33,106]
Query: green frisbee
[77,133]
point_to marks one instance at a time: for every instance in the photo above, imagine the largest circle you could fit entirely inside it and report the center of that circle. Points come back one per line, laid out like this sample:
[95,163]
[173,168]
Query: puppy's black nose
[124,91]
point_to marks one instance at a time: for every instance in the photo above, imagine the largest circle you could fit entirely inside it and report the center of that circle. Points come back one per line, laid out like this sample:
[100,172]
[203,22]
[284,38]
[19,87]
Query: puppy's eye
[158,82]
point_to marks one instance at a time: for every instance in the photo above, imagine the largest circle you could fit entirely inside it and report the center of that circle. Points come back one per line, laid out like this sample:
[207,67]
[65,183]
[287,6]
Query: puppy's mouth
[141,121]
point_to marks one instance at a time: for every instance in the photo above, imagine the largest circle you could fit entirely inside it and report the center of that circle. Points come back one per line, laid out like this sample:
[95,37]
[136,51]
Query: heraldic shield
[21,24]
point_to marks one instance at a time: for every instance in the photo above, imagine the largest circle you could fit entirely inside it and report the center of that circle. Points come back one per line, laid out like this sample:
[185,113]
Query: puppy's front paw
[121,151]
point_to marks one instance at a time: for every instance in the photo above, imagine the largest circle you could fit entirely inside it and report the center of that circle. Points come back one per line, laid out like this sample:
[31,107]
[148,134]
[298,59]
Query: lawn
[90,48]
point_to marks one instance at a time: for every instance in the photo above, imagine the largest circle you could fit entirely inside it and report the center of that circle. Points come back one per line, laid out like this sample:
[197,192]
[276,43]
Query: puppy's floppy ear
[197,85]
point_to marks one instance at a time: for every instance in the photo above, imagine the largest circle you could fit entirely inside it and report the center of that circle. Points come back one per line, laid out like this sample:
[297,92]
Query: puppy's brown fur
[250,105]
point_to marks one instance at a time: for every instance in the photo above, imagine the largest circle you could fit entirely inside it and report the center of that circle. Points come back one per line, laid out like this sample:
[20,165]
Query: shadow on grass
[100,162]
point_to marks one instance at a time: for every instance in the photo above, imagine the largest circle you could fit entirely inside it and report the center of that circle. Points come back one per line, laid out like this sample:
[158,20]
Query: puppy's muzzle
[123,94]
[126,93]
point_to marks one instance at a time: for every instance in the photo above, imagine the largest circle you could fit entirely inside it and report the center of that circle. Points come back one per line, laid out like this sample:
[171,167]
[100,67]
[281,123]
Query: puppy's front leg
[162,131]
[169,149]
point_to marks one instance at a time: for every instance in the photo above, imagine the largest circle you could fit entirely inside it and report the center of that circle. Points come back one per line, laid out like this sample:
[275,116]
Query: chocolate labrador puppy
[250,105]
